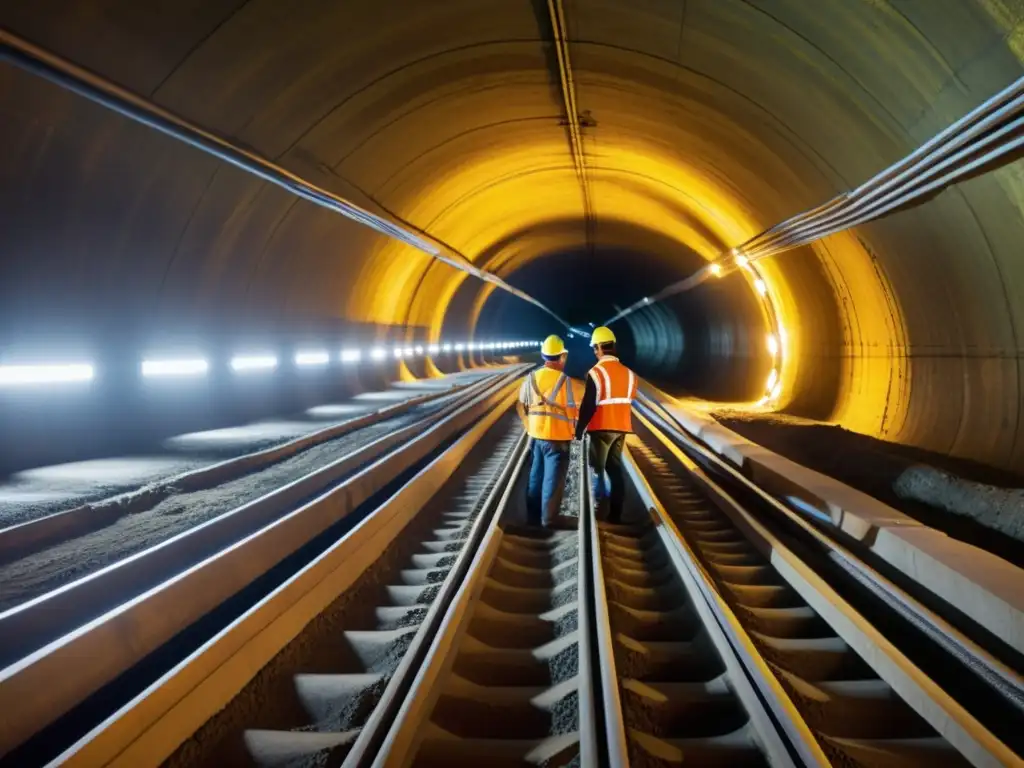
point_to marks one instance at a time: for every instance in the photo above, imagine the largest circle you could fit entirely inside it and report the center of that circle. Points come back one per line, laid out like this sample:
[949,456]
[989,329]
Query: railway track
[867,666]
[287,461]
[856,716]
[117,616]
[440,632]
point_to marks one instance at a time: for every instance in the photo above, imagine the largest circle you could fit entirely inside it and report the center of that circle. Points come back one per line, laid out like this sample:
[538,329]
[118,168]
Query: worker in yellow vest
[547,406]
[606,414]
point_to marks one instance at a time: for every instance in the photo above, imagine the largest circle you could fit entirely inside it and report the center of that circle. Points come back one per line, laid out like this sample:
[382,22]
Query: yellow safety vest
[550,405]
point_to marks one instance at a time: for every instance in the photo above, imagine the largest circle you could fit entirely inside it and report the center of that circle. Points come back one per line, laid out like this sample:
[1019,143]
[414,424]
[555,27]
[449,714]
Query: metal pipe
[567,85]
[985,135]
[987,116]
[70,76]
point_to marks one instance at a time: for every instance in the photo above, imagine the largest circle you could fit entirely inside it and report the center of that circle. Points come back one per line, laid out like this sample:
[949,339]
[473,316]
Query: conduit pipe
[38,61]
[988,136]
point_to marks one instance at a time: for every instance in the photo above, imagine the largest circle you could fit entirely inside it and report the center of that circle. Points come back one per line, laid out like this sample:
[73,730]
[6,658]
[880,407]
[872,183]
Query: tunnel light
[351,355]
[490,345]
[434,349]
[245,363]
[311,357]
[776,391]
[761,286]
[459,347]
[378,353]
[397,352]
[773,345]
[50,373]
[741,260]
[715,269]
[419,349]
[408,352]
[180,367]
[447,348]
[773,378]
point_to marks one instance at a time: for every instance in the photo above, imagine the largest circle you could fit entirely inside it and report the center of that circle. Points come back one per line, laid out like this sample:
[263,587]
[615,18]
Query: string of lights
[251,362]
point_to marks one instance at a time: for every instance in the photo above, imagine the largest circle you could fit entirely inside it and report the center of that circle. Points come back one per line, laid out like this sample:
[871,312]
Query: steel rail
[406,736]
[615,741]
[142,601]
[971,736]
[20,540]
[370,744]
[781,734]
[1002,679]
[150,727]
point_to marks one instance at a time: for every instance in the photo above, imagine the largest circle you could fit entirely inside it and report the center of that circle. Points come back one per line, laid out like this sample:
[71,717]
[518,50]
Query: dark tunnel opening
[706,343]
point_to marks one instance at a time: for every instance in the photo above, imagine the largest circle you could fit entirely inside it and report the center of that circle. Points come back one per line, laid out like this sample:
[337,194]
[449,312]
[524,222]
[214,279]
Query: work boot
[562,523]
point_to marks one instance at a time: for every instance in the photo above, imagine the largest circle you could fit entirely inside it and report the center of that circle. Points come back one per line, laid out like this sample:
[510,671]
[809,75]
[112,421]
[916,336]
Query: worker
[606,414]
[547,406]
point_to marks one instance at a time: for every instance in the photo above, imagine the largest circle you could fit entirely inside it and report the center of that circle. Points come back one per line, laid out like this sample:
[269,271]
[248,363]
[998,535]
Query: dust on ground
[43,571]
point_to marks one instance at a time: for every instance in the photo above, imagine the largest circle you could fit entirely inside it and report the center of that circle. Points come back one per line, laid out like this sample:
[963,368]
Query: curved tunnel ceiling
[705,121]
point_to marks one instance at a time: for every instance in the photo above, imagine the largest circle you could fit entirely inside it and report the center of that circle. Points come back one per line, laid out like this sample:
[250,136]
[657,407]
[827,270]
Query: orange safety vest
[616,389]
[550,405]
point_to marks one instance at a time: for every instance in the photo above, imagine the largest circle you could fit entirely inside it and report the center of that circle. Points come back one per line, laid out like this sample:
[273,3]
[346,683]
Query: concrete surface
[34,493]
[706,121]
[984,587]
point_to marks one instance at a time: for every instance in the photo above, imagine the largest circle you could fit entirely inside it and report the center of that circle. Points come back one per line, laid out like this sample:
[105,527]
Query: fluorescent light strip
[351,355]
[378,353]
[434,349]
[50,373]
[242,363]
[175,367]
[312,357]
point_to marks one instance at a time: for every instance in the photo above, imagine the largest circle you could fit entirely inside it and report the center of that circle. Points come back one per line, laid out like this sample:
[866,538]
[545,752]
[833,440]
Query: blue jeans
[549,464]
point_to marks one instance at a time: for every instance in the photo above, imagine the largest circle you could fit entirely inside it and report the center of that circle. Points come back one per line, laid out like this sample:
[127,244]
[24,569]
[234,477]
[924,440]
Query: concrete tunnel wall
[711,119]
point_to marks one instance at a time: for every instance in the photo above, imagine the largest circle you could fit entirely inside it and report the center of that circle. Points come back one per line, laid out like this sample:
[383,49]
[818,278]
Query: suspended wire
[70,76]
[986,138]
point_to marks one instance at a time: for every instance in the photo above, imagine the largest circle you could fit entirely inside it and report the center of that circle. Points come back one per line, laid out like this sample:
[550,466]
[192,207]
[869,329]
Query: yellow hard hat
[602,335]
[553,346]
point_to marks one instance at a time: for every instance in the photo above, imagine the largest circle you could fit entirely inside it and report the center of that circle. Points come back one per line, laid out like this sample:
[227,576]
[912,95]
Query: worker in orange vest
[547,406]
[606,414]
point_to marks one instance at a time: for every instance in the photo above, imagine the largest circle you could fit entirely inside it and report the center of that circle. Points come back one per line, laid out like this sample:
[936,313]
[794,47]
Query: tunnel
[699,123]
[275,278]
